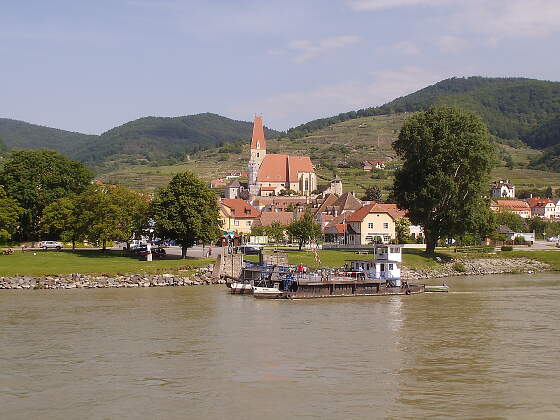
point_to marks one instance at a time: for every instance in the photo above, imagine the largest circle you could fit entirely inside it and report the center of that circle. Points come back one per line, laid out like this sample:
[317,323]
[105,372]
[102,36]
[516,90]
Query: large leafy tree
[402,230]
[10,213]
[186,210]
[372,193]
[131,216]
[447,158]
[37,178]
[305,229]
[63,219]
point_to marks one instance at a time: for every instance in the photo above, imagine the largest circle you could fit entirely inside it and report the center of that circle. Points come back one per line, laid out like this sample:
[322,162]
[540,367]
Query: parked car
[249,249]
[552,239]
[51,245]
[157,253]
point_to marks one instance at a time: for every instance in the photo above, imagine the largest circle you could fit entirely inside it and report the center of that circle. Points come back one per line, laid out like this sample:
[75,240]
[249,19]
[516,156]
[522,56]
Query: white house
[503,189]
[385,264]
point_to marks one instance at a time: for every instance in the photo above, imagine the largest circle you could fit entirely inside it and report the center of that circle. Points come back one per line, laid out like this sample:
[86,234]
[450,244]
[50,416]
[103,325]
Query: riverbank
[203,276]
[477,267]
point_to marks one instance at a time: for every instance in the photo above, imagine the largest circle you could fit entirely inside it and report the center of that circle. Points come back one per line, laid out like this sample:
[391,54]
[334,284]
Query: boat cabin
[385,264]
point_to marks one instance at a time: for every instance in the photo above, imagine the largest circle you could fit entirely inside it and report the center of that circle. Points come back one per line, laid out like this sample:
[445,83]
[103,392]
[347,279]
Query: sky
[90,65]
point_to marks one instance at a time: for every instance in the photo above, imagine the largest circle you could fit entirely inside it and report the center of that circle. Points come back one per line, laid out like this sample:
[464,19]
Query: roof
[240,209]
[329,200]
[257,140]
[538,202]
[267,218]
[283,168]
[503,229]
[513,204]
[347,201]
[391,209]
[234,184]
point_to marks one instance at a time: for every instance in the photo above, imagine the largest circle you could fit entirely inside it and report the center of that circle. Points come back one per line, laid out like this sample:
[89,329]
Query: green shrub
[459,267]
[507,248]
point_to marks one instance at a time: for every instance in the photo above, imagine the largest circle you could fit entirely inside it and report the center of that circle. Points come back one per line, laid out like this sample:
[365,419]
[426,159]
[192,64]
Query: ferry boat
[377,276]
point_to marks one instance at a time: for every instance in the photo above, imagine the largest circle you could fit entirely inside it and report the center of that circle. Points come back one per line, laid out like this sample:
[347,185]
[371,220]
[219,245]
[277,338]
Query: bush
[459,267]
[507,248]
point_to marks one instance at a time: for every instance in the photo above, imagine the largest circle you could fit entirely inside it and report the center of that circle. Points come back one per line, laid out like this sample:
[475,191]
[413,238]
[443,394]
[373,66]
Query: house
[284,218]
[333,205]
[217,183]
[503,189]
[235,189]
[271,173]
[370,165]
[372,223]
[280,203]
[237,215]
[518,207]
[334,187]
[557,210]
[542,207]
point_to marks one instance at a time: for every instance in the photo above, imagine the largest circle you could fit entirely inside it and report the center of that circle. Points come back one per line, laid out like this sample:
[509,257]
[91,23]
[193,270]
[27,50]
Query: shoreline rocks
[203,276]
[477,267]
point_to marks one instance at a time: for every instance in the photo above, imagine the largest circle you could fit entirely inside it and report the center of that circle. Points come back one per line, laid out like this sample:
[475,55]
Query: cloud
[402,47]
[306,50]
[452,44]
[391,4]
[284,109]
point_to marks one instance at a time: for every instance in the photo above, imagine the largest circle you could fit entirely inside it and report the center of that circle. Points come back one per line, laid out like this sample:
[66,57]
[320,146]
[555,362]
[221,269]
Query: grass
[42,263]
[551,257]
[413,258]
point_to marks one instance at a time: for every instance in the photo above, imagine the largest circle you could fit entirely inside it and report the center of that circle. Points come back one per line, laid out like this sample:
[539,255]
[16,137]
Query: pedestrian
[209,251]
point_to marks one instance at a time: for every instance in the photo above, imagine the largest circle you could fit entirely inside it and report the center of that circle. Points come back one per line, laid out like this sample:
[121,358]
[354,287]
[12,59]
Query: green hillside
[515,109]
[22,135]
[149,139]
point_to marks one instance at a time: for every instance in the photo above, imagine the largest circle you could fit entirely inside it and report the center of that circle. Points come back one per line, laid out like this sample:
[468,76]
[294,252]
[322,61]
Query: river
[489,349]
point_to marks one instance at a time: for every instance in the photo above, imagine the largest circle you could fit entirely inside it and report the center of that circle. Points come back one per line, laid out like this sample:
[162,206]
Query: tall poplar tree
[447,158]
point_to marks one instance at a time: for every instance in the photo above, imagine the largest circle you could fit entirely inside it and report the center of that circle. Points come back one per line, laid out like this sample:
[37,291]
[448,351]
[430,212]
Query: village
[277,189]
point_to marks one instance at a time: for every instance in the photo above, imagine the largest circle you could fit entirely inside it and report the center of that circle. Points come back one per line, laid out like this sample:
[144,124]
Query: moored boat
[437,289]
[237,288]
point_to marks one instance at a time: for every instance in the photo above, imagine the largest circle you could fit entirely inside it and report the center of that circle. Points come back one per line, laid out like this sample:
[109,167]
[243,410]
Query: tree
[372,193]
[62,219]
[276,232]
[548,192]
[402,230]
[305,229]
[36,178]
[10,213]
[513,221]
[447,161]
[132,215]
[186,210]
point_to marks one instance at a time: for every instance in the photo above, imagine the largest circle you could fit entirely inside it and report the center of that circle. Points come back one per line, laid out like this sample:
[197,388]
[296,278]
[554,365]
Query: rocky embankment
[202,276]
[477,267]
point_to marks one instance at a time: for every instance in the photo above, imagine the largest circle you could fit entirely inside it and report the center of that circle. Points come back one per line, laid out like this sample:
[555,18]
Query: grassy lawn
[413,258]
[41,263]
[551,257]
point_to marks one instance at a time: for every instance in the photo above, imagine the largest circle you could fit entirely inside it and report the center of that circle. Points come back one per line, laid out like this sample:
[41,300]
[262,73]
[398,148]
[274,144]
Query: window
[370,225]
[248,223]
[257,154]
[395,250]
[236,223]
[385,225]
[390,266]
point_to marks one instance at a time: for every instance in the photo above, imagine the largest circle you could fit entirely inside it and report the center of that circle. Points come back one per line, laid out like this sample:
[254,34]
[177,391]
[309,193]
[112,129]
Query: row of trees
[302,230]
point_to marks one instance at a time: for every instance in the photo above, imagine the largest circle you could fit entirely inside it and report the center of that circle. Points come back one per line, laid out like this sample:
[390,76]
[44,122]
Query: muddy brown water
[489,349]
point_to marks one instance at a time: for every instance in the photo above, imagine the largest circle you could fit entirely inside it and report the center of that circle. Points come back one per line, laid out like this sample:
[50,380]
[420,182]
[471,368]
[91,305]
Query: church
[269,174]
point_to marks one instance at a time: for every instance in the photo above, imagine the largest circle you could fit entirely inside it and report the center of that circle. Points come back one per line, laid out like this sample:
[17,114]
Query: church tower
[258,152]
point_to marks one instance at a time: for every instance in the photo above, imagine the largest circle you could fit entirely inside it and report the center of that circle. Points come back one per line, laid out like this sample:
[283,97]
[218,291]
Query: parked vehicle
[157,253]
[250,249]
[51,245]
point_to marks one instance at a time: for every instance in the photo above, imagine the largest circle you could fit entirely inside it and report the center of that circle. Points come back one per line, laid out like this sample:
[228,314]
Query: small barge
[376,276]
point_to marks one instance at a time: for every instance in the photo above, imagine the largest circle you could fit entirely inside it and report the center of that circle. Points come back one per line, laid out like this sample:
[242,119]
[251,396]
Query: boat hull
[267,293]
[241,289]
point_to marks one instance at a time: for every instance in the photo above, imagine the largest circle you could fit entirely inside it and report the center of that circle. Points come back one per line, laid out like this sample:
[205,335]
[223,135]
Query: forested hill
[150,138]
[21,135]
[515,109]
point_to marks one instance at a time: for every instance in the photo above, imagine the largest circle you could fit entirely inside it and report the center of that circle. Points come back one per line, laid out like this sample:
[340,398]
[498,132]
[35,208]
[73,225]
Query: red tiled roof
[258,134]
[538,202]
[391,209]
[269,217]
[513,204]
[283,168]
[240,209]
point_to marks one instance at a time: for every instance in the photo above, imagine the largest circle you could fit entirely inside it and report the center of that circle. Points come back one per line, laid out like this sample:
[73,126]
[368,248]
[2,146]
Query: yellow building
[372,223]
[237,215]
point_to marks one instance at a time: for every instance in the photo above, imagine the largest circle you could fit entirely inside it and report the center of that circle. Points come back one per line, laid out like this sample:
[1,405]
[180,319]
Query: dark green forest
[149,138]
[517,110]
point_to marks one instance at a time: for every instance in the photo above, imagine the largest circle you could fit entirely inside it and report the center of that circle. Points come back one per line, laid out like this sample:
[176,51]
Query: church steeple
[258,141]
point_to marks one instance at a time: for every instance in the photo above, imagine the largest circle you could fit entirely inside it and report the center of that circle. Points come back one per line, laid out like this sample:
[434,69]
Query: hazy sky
[88,65]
